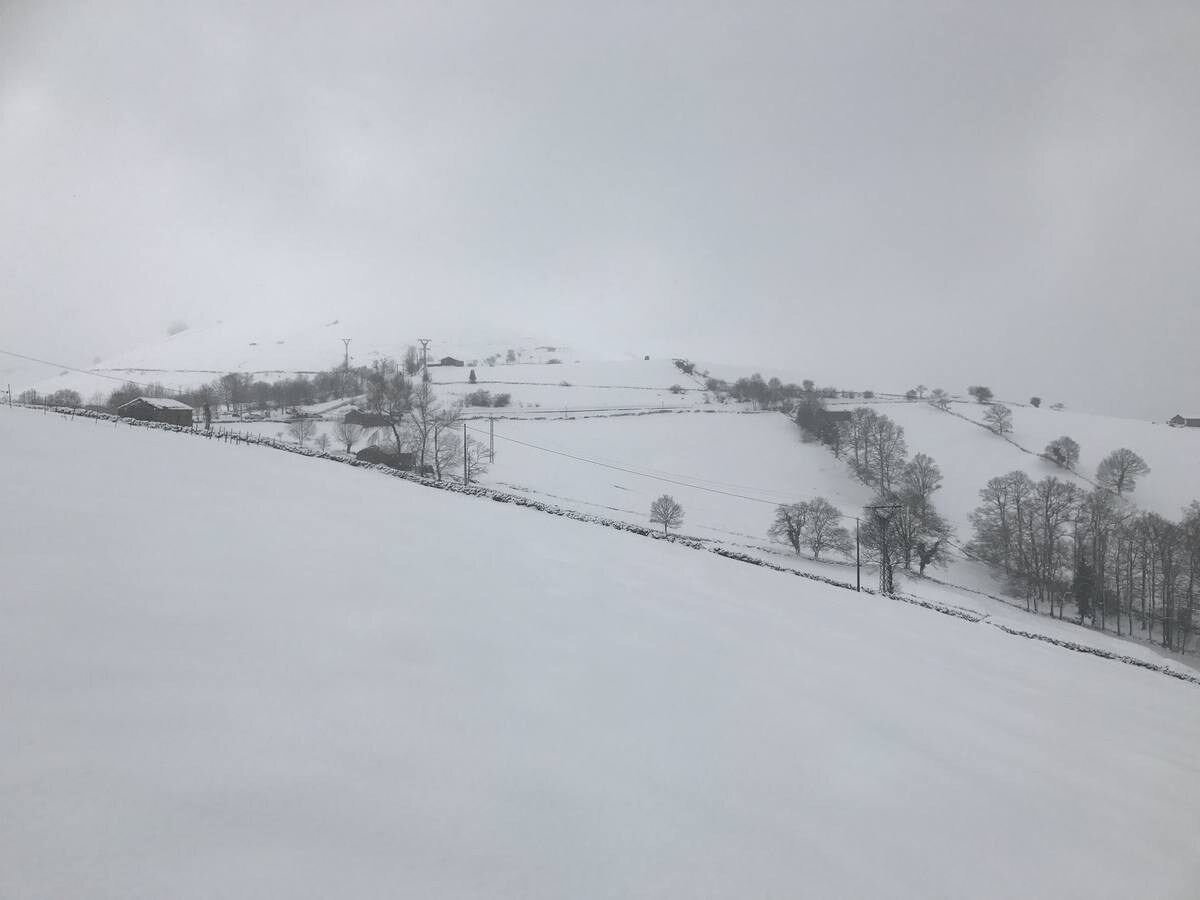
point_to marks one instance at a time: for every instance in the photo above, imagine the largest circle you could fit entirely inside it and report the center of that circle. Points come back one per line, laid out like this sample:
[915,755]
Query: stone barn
[376,454]
[356,416]
[157,409]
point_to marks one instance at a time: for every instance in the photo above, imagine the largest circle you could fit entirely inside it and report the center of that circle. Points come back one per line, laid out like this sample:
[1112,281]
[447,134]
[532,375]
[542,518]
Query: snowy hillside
[198,355]
[233,672]
[969,455]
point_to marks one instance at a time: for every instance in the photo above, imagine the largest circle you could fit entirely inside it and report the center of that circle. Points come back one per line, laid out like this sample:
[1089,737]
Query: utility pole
[491,439]
[346,367]
[424,342]
[466,480]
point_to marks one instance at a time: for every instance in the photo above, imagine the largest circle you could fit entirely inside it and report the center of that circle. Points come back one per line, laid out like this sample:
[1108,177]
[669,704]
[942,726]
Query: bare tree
[788,527]
[475,460]
[423,414]
[940,398]
[885,452]
[447,453]
[824,530]
[389,394]
[302,430]
[443,433]
[1120,470]
[980,393]
[322,442]
[998,418]
[412,362]
[347,434]
[1063,451]
[666,512]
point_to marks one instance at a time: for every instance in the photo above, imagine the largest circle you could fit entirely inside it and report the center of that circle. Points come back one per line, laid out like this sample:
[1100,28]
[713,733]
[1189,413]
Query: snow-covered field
[227,671]
[271,350]
[729,470]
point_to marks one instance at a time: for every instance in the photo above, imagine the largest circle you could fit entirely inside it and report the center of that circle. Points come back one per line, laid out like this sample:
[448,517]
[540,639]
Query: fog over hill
[952,193]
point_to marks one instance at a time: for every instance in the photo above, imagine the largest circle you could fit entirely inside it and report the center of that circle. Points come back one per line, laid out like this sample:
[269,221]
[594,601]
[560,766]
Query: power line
[650,470]
[641,474]
[46,362]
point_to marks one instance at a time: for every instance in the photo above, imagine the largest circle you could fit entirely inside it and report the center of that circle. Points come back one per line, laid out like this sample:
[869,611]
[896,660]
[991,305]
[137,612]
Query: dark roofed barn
[376,454]
[157,409]
[451,361]
[365,419]
[834,415]
[1183,422]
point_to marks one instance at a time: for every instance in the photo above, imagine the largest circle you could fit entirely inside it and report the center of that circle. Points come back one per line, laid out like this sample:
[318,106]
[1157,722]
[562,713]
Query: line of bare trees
[915,535]
[417,422]
[1062,546]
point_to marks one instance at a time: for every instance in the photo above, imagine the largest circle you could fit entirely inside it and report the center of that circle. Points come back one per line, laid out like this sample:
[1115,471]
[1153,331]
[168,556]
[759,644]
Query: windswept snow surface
[230,672]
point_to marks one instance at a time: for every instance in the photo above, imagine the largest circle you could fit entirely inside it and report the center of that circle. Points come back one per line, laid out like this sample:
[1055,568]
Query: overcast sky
[950,193]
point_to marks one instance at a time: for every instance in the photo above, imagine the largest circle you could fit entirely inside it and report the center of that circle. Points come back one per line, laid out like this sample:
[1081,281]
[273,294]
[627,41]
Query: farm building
[828,416]
[451,361]
[157,409]
[357,416]
[1183,422]
[376,454]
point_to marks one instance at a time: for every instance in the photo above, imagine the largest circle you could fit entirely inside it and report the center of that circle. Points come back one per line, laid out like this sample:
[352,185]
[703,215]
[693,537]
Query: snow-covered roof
[158,403]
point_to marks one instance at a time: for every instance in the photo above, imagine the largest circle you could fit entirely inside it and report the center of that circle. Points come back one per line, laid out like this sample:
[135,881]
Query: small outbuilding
[1183,422]
[366,419]
[157,409]
[376,454]
[828,416]
[451,361]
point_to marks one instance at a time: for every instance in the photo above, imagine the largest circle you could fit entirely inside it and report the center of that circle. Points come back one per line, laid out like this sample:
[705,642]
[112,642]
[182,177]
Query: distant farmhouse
[833,416]
[451,361]
[357,416]
[1181,422]
[156,409]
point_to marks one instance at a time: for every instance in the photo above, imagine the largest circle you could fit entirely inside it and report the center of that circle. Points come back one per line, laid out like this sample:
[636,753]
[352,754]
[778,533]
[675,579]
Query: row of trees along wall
[238,392]
[873,446]
[1063,546]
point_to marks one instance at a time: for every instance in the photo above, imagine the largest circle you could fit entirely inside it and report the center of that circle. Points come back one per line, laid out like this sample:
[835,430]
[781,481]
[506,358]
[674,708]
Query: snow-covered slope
[969,455]
[729,471]
[232,672]
[271,350]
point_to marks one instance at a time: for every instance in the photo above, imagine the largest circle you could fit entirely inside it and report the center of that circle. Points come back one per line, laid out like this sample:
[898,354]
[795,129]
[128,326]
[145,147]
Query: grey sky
[872,193]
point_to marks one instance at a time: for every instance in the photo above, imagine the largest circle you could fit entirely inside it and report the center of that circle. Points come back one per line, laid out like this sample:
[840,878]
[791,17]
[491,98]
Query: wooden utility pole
[466,479]
[346,367]
[491,439]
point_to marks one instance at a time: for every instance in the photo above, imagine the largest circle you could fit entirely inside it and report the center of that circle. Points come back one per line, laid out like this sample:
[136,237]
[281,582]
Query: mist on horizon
[875,196]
